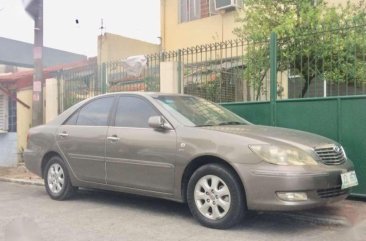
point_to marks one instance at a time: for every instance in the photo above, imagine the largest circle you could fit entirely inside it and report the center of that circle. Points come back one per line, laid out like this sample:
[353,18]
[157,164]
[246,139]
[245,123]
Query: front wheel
[215,196]
[57,180]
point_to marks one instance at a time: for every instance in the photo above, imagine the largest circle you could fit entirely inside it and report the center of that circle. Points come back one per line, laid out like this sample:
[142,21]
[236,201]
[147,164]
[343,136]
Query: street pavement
[27,211]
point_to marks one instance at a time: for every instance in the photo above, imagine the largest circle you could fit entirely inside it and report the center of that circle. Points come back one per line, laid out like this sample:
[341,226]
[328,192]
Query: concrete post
[51,99]
[169,77]
[273,76]
[37,104]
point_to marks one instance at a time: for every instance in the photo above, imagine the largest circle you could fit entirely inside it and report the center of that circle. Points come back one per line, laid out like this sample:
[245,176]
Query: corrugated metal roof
[24,78]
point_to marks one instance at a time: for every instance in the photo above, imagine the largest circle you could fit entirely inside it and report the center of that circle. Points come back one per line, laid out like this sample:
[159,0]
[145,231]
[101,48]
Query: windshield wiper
[231,123]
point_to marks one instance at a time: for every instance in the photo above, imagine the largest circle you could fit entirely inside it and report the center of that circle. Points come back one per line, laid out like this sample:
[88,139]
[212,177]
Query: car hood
[275,135]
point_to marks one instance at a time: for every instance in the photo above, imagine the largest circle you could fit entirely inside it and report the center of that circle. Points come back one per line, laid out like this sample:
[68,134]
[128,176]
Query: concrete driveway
[94,215]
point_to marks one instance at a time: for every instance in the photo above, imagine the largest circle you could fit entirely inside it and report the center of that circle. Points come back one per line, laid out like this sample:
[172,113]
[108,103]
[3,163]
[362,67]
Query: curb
[22,181]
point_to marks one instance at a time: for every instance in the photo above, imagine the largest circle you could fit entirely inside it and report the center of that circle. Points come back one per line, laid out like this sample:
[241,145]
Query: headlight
[283,155]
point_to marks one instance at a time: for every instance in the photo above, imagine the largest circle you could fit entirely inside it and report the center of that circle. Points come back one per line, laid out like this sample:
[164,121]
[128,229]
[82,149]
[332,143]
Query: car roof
[141,93]
[64,115]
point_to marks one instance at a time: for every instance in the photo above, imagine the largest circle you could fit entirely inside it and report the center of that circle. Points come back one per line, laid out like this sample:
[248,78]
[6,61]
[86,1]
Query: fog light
[292,196]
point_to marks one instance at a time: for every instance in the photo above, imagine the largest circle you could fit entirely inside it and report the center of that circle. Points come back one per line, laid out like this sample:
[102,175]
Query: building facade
[113,47]
[187,23]
[16,75]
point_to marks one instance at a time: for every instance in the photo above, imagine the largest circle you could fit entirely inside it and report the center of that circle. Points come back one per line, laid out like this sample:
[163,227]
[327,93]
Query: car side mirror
[158,122]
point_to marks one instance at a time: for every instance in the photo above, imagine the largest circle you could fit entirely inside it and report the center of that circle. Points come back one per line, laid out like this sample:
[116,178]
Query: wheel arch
[199,162]
[46,158]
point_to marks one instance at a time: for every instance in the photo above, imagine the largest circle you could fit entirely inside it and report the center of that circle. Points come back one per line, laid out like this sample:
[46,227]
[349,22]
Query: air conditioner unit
[226,4]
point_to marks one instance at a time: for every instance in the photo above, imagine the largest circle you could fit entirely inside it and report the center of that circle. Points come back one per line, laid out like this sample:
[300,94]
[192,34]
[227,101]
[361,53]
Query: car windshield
[194,111]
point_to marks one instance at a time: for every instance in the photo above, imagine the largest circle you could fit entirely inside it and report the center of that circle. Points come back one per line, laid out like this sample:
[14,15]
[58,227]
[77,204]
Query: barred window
[194,9]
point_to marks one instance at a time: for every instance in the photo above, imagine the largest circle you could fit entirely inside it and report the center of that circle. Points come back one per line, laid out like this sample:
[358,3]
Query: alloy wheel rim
[55,178]
[212,197]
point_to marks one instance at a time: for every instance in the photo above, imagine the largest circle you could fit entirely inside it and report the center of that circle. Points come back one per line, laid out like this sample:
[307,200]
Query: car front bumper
[321,183]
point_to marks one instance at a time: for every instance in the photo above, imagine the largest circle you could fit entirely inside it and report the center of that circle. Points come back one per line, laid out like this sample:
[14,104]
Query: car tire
[57,179]
[215,196]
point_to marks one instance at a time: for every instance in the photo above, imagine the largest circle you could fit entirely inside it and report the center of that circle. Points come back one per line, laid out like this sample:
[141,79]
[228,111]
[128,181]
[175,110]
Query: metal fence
[117,78]
[217,71]
[328,62]
[94,79]
[78,84]
[214,71]
[324,63]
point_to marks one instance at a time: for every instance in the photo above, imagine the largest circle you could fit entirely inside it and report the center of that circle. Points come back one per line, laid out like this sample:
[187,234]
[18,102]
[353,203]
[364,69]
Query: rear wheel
[215,196]
[57,180]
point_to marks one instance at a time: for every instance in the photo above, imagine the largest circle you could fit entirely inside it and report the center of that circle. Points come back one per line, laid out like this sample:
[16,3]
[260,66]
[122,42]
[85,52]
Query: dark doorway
[12,104]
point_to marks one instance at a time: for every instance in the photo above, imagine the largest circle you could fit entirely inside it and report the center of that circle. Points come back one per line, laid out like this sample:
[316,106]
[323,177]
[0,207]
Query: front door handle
[63,134]
[113,138]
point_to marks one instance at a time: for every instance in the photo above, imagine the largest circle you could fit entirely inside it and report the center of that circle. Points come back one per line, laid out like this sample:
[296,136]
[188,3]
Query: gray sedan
[187,149]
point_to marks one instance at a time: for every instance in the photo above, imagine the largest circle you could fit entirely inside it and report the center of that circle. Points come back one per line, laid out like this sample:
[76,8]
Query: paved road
[95,215]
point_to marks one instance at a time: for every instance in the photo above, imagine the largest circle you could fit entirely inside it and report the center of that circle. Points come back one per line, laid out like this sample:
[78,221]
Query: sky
[139,19]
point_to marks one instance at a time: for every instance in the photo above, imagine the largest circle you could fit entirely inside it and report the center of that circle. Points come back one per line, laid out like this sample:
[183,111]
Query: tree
[315,40]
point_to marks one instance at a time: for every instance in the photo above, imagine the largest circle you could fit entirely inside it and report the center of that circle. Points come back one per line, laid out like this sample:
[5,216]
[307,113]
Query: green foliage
[257,66]
[151,83]
[315,40]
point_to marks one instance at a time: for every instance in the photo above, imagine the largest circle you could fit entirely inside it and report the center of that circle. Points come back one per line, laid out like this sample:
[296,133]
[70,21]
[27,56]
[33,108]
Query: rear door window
[95,113]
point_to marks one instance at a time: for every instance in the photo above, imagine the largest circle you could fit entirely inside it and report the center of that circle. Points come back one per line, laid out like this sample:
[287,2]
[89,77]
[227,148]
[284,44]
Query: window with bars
[12,108]
[195,9]
[3,112]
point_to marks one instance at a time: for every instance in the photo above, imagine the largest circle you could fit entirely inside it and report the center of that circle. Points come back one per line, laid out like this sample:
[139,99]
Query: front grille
[331,154]
[332,192]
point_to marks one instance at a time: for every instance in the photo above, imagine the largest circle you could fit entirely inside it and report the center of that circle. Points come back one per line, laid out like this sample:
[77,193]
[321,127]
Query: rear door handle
[113,138]
[63,134]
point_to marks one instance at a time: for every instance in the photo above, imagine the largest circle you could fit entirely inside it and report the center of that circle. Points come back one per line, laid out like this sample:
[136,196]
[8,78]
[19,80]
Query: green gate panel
[316,116]
[353,137]
[255,112]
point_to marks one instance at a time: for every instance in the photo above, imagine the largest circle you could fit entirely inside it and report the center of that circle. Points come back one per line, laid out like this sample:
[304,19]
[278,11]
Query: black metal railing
[326,62]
